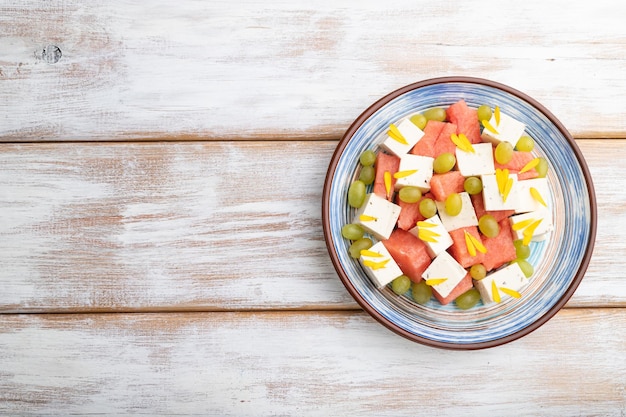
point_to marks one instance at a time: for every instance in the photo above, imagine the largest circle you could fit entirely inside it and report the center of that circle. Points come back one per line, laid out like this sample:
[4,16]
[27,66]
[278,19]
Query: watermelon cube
[500,249]
[410,213]
[385,163]
[459,249]
[409,252]
[466,120]
[444,143]
[426,145]
[442,185]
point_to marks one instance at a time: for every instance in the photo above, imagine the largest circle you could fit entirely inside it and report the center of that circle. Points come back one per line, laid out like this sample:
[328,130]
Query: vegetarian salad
[448,205]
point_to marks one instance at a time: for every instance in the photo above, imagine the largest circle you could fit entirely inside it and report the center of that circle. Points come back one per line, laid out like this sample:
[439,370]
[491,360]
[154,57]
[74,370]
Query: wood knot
[50,54]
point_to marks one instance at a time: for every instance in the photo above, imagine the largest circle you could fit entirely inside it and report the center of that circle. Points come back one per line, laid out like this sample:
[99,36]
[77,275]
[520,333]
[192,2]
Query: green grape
[478,272]
[419,120]
[488,225]
[356,194]
[410,194]
[521,251]
[526,267]
[421,292]
[503,153]
[473,185]
[435,113]
[525,144]
[359,245]
[468,299]
[444,163]
[542,168]
[428,208]
[401,284]
[352,231]
[367,158]
[454,204]
[367,175]
[484,112]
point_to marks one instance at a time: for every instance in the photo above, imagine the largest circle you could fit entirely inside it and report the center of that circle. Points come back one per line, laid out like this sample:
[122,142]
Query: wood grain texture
[285,69]
[324,364]
[207,226]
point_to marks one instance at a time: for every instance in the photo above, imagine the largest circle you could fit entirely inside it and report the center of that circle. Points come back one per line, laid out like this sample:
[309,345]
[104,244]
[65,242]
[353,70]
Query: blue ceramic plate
[560,262]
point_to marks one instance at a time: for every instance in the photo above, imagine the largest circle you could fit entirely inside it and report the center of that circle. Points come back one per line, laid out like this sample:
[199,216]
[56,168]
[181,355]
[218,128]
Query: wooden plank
[196,226]
[246,69]
[322,364]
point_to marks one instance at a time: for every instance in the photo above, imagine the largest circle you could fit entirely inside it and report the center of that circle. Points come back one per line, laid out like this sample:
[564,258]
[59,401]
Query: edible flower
[505,183]
[537,196]
[435,281]
[462,142]
[387,178]
[375,265]
[510,292]
[403,174]
[395,134]
[366,218]
[370,253]
[473,244]
[494,292]
[533,163]
[490,128]
[428,235]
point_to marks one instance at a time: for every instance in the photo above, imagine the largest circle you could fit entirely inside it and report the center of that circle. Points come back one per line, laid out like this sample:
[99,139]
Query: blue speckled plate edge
[566,295]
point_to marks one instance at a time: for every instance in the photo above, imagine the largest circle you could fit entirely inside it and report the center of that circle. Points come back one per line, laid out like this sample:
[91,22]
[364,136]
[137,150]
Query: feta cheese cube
[479,162]
[527,201]
[410,133]
[380,269]
[433,234]
[492,198]
[445,268]
[467,216]
[509,130]
[522,221]
[508,278]
[414,171]
[377,216]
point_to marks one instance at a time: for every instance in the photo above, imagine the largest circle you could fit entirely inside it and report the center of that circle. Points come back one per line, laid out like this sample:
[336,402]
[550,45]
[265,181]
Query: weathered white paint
[210,225]
[224,69]
[321,364]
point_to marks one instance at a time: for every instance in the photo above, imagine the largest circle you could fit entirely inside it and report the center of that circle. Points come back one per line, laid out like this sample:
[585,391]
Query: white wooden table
[161,169]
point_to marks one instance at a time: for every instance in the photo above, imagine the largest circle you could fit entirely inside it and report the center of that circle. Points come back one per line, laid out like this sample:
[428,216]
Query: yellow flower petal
[387,178]
[435,281]
[462,142]
[537,196]
[502,176]
[495,294]
[477,243]
[507,188]
[403,174]
[496,114]
[395,134]
[375,265]
[366,218]
[529,232]
[490,128]
[425,224]
[471,249]
[370,253]
[521,225]
[533,163]
[428,235]
[510,292]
